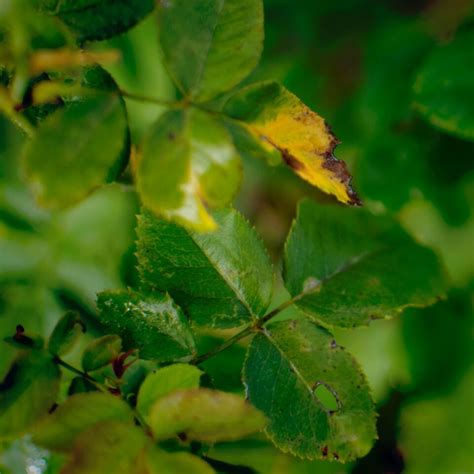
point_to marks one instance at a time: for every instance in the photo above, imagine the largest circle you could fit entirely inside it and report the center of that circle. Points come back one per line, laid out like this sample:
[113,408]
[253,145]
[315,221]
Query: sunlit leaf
[204,415]
[306,143]
[188,162]
[221,279]
[211,45]
[346,267]
[164,381]
[153,324]
[312,391]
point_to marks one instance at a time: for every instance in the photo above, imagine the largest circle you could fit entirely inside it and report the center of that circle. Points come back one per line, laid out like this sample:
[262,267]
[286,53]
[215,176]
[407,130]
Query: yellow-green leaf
[204,415]
[306,143]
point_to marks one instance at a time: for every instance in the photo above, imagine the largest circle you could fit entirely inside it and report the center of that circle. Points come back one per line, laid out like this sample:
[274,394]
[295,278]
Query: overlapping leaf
[345,267]
[188,162]
[220,279]
[286,367]
[280,120]
[153,324]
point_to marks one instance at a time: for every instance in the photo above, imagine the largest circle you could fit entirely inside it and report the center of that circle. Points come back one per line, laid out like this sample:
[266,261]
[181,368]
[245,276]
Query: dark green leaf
[80,385]
[153,324]
[312,391]
[202,168]
[444,88]
[220,279]
[101,352]
[204,415]
[165,381]
[211,45]
[76,415]
[90,143]
[65,334]
[346,267]
[28,391]
[98,19]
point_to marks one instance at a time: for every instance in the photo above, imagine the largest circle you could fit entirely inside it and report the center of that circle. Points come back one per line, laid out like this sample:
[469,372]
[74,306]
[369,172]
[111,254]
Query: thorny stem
[249,329]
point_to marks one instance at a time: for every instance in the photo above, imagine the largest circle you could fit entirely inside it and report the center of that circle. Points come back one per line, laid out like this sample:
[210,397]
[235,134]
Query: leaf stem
[82,374]
[256,326]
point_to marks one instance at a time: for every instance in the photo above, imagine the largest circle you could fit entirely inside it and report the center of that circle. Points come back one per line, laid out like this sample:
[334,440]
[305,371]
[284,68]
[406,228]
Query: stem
[153,100]
[72,369]
[256,326]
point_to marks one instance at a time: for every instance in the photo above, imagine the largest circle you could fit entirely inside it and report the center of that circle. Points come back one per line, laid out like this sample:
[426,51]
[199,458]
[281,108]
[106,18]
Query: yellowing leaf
[280,120]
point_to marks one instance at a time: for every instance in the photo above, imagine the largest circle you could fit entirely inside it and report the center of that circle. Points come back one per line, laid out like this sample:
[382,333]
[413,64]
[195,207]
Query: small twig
[82,374]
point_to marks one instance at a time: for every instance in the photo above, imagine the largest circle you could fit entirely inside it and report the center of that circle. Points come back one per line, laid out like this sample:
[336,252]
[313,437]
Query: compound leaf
[281,121]
[346,267]
[211,45]
[153,324]
[220,279]
[188,162]
[313,392]
[204,415]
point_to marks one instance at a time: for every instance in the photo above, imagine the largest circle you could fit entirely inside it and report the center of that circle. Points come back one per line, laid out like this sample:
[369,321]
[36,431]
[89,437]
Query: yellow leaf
[306,143]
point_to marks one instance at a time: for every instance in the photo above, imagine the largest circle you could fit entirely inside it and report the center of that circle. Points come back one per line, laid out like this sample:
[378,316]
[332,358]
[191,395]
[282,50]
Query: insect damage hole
[326,397]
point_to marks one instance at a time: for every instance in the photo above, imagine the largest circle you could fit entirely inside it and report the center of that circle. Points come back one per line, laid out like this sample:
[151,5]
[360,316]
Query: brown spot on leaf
[324,451]
[291,161]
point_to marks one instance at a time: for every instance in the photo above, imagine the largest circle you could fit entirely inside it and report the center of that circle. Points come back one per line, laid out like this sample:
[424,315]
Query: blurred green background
[376,70]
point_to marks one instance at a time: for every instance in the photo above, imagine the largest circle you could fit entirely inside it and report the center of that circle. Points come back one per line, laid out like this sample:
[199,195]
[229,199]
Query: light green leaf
[345,267]
[90,143]
[281,122]
[312,391]
[153,324]
[100,352]
[165,381]
[65,334]
[201,167]
[444,88]
[77,414]
[211,45]
[220,279]
[98,19]
[204,415]
[161,462]
[108,447]
[28,391]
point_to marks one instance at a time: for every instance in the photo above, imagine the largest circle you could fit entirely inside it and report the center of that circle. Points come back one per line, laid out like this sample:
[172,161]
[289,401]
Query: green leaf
[161,462]
[312,391]
[346,267]
[80,385]
[444,88]
[90,143]
[100,352]
[204,415]
[107,447]
[202,168]
[153,324]
[28,391]
[66,333]
[164,381]
[98,19]
[280,121]
[76,415]
[220,279]
[211,45]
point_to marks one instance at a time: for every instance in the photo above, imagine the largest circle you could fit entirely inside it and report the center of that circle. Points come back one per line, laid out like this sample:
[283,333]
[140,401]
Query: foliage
[146,324]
